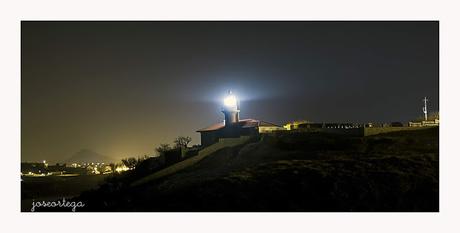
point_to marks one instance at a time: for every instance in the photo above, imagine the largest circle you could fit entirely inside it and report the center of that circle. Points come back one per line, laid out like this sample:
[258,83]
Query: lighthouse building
[233,127]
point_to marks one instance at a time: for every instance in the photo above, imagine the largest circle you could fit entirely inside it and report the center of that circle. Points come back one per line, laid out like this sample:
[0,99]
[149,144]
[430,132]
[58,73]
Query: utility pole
[425,110]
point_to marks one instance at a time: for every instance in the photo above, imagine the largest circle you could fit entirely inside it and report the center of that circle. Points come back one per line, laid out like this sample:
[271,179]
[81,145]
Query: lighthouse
[233,127]
[231,110]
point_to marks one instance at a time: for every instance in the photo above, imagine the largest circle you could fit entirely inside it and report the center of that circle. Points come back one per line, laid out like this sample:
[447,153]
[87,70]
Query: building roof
[268,124]
[213,127]
[245,123]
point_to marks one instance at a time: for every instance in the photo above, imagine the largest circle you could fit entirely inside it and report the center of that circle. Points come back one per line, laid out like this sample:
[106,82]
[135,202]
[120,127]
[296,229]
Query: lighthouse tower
[231,110]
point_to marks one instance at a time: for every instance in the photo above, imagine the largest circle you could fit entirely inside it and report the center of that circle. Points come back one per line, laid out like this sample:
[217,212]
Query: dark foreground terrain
[293,172]
[52,188]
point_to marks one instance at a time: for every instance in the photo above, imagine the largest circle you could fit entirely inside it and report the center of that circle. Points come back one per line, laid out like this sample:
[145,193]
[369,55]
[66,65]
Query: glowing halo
[230,101]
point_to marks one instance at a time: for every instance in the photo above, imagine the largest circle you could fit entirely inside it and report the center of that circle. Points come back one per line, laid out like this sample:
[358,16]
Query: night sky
[122,88]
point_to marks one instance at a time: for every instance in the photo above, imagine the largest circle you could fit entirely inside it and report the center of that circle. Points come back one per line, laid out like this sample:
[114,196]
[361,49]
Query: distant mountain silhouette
[89,156]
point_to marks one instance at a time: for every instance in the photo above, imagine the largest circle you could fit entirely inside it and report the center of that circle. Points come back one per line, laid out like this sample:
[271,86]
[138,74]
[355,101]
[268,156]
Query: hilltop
[396,171]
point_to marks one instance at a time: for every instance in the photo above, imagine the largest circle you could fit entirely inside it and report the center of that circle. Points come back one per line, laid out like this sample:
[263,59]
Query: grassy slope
[296,172]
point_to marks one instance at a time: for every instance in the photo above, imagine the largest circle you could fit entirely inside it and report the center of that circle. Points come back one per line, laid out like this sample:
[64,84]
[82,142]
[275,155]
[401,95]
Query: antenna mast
[425,110]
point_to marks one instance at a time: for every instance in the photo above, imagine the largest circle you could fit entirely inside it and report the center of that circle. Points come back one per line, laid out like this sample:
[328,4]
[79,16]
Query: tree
[130,162]
[182,141]
[163,148]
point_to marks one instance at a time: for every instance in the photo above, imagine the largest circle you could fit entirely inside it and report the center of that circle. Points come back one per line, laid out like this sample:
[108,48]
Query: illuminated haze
[121,88]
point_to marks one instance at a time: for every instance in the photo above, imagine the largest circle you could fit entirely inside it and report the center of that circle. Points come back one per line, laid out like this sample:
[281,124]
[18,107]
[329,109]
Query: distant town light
[122,168]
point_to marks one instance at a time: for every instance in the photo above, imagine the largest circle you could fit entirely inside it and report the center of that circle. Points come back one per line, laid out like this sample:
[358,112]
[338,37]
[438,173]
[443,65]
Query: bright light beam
[230,101]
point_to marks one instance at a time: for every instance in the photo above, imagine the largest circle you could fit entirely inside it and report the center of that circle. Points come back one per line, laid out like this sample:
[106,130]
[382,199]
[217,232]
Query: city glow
[122,168]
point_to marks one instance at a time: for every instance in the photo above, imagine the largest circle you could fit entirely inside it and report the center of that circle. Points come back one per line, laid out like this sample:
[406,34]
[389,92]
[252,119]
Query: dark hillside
[295,172]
